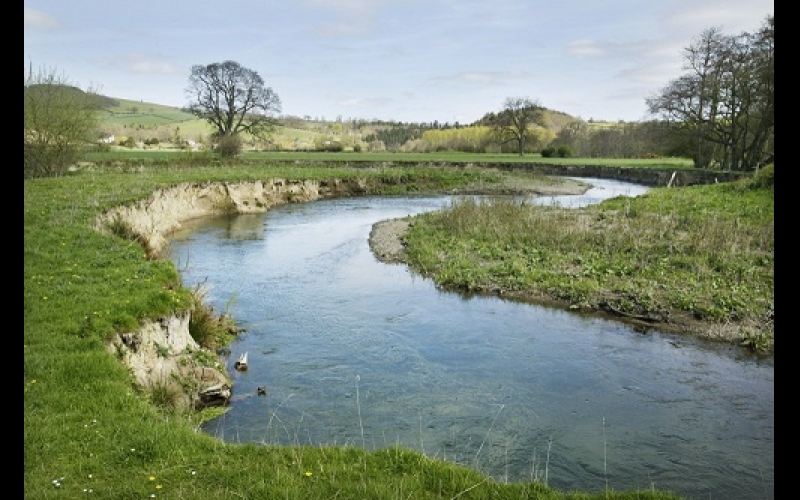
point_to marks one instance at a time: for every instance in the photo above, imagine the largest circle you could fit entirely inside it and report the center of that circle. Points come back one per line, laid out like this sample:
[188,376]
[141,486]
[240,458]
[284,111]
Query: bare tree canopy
[513,124]
[60,120]
[232,98]
[725,102]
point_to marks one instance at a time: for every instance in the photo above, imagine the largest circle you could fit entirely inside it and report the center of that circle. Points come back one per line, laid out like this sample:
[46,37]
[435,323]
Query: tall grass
[696,258]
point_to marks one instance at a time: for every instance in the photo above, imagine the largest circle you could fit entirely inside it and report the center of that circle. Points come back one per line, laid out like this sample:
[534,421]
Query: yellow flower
[152,478]
[309,473]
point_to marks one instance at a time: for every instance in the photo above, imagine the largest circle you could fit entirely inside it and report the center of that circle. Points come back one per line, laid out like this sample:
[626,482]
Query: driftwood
[671,179]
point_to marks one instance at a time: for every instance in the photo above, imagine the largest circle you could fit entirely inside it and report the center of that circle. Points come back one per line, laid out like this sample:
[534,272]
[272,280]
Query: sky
[408,61]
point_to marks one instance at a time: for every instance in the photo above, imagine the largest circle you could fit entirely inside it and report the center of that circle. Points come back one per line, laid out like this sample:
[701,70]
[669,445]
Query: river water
[354,352]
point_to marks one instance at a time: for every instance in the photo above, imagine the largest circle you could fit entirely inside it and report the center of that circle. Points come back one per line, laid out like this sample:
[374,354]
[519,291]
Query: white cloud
[586,48]
[40,20]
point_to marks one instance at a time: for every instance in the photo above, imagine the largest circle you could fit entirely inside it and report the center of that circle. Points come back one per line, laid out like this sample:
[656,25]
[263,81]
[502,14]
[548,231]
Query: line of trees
[723,107]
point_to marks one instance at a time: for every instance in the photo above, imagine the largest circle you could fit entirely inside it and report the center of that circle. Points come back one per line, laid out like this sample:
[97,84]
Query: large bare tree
[233,99]
[513,124]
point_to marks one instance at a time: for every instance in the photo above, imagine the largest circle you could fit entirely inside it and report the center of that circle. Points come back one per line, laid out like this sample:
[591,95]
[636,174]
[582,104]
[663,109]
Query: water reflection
[359,353]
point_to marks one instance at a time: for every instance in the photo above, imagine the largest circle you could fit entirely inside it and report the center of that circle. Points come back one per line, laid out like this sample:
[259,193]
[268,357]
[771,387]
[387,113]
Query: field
[156,127]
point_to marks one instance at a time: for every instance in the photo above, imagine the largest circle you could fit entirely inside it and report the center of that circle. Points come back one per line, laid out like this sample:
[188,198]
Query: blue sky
[402,60]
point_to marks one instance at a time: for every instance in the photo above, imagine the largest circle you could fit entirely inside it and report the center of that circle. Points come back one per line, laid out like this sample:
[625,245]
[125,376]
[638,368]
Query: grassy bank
[697,259]
[88,432]
[200,157]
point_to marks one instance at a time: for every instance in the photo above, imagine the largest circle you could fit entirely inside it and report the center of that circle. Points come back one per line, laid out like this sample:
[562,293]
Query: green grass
[157,120]
[147,115]
[87,430]
[386,157]
[698,258]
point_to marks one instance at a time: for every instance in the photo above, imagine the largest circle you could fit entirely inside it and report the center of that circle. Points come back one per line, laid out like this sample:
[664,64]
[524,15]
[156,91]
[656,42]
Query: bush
[564,152]
[328,145]
[765,177]
[548,152]
[229,145]
[60,121]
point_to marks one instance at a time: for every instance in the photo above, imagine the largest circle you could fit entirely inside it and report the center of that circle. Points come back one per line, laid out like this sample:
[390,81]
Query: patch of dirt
[386,239]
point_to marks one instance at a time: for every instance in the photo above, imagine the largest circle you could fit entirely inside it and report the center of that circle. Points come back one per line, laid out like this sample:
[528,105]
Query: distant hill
[127,112]
[147,122]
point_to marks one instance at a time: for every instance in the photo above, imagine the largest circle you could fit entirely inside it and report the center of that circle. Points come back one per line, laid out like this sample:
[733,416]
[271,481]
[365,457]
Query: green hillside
[160,127]
[145,121]
[127,112]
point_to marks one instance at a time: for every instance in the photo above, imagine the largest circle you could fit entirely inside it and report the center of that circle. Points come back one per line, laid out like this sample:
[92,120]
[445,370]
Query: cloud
[587,48]
[732,16]
[482,78]
[40,20]
[144,64]
[349,17]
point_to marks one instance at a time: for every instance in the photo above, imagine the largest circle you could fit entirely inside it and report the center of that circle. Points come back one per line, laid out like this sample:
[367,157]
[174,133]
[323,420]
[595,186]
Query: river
[355,352]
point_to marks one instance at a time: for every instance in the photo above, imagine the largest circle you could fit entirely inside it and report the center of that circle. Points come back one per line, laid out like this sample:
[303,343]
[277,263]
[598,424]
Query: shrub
[60,120]
[229,145]
[564,152]
[548,152]
[765,177]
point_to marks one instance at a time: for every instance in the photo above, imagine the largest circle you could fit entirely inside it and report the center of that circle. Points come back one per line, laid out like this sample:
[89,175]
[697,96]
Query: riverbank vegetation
[177,158]
[697,259]
[88,431]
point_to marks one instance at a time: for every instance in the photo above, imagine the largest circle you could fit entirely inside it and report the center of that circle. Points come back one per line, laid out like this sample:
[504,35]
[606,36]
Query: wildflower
[152,478]
[309,473]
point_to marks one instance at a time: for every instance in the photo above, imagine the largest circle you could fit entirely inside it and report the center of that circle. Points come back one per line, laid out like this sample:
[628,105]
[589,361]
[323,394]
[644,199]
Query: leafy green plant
[207,328]
[758,341]
[162,351]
